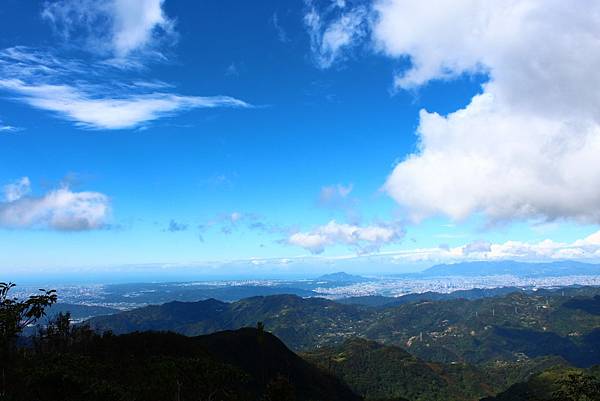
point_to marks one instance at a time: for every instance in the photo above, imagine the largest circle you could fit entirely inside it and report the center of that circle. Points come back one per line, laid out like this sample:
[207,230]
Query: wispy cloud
[237,221]
[334,193]
[8,128]
[281,33]
[337,198]
[126,111]
[17,189]
[59,209]
[335,30]
[228,223]
[90,95]
[232,70]
[121,28]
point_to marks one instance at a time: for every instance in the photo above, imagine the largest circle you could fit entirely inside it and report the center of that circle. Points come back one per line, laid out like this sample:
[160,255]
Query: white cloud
[330,36]
[364,239]
[59,209]
[525,148]
[16,190]
[120,27]
[92,95]
[586,249]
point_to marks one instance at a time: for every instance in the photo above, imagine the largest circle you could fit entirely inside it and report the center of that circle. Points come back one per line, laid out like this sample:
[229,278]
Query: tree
[578,387]
[15,315]
[59,335]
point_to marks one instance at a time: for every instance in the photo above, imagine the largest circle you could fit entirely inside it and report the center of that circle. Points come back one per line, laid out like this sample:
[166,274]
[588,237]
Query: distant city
[336,286]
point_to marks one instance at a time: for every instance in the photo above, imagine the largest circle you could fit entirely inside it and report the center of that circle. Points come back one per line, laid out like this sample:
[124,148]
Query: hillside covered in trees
[507,328]
[145,359]
[378,371]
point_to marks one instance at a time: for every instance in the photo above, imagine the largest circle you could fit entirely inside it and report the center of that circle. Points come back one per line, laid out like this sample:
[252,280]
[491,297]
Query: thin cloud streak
[41,80]
[128,111]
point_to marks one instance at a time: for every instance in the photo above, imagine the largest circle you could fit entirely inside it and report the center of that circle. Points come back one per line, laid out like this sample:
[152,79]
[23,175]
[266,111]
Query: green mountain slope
[508,328]
[557,384]
[377,371]
[299,322]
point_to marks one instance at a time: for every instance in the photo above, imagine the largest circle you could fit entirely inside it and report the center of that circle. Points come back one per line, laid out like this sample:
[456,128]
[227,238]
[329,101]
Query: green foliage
[578,386]
[556,384]
[15,315]
[385,372]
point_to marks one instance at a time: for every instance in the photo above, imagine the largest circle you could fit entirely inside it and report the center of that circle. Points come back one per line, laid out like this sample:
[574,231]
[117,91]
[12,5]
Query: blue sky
[284,134]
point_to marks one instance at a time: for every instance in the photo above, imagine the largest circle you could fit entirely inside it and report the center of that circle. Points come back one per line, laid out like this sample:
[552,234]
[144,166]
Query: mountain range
[508,267]
[472,331]
[521,345]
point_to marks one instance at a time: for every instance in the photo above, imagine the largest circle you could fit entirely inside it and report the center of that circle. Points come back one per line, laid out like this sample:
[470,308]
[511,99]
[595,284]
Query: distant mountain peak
[341,277]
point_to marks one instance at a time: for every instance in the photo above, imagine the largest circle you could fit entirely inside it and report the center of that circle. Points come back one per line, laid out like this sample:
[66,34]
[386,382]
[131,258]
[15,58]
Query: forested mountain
[557,384]
[475,293]
[301,323]
[378,371]
[522,346]
[505,328]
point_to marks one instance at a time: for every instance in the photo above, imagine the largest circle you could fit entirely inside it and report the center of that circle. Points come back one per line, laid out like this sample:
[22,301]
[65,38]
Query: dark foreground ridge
[246,364]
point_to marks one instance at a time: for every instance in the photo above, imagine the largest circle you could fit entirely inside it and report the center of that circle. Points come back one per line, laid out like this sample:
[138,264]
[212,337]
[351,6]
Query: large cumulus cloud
[528,146]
